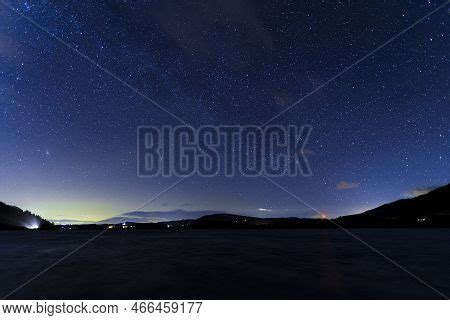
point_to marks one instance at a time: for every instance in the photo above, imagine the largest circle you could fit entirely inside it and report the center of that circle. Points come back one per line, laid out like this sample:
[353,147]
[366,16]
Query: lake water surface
[226,264]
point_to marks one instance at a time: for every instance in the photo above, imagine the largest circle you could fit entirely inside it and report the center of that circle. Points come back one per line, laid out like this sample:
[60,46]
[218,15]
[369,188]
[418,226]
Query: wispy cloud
[157,216]
[264,209]
[69,221]
[418,192]
[345,185]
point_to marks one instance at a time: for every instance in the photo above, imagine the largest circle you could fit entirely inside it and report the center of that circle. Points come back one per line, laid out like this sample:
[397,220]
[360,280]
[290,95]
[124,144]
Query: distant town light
[32,226]
[323,215]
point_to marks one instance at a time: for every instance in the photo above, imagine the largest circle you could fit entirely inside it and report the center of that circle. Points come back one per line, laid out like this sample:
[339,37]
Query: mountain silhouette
[156,216]
[431,209]
[428,210]
[15,218]
[224,220]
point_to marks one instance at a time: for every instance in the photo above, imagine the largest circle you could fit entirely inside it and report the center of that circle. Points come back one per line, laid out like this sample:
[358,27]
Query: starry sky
[380,132]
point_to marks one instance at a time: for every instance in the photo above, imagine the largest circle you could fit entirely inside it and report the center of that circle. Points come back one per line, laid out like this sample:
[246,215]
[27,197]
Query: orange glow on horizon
[323,215]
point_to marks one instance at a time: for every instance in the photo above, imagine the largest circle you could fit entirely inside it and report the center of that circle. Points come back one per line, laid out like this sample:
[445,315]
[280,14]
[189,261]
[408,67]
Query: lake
[226,264]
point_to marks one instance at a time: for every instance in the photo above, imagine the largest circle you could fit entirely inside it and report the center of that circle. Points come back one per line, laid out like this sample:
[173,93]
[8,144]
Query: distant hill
[15,218]
[431,209]
[428,210]
[233,221]
[156,216]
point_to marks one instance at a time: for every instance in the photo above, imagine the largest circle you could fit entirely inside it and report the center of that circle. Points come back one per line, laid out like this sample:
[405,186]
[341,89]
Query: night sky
[380,132]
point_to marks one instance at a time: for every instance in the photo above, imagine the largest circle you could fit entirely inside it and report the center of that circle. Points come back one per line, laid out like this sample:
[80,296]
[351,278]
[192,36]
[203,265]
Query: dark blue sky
[68,129]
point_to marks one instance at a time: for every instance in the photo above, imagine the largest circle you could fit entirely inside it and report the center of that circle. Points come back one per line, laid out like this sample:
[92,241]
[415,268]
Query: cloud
[69,221]
[418,192]
[344,185]
[157,216]
[275,212]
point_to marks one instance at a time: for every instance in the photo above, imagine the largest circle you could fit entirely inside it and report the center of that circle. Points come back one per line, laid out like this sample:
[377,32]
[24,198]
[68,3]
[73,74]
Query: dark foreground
[226,264]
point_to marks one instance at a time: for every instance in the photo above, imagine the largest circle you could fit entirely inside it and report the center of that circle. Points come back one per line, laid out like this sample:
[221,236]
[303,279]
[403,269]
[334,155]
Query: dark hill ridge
[15,218]
[432,209]
[429,210]
[157,216]
[434,203]
[234,221]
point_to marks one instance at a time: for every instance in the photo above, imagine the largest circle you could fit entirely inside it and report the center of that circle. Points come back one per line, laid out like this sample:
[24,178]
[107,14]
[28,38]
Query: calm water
[226,264]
